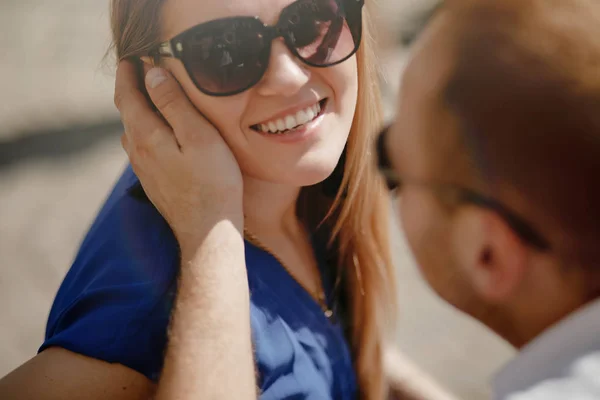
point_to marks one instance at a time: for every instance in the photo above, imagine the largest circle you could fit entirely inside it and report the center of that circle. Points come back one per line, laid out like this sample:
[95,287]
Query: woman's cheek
[222,112]
[343,79]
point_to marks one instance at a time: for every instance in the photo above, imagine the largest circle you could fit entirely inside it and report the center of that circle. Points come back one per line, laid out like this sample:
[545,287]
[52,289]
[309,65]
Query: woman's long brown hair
[357,219]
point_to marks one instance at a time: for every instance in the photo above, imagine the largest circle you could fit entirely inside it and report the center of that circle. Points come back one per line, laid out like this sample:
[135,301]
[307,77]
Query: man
[497,148]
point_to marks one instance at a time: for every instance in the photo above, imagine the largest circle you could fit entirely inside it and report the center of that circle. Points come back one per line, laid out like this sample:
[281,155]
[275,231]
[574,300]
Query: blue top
[115,301]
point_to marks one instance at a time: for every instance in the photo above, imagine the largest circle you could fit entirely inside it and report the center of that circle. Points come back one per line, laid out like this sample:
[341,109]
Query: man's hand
[183,163]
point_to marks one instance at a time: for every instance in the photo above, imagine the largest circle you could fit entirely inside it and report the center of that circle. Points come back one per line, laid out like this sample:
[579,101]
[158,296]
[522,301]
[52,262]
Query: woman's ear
[493,258]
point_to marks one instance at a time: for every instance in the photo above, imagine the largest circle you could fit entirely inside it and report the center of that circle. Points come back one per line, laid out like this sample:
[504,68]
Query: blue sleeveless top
[114,305]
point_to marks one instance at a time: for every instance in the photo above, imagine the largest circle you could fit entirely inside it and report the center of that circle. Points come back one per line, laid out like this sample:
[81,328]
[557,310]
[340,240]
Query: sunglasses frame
[174,48]
[461,195]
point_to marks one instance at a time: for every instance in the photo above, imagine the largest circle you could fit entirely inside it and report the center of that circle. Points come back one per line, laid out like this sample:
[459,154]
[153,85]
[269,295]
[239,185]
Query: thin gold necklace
[319,297]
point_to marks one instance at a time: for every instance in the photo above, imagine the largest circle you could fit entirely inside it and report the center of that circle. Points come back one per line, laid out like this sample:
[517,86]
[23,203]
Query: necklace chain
[319,296]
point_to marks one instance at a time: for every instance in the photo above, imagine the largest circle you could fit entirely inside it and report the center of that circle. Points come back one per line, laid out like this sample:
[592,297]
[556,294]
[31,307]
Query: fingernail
[155,77]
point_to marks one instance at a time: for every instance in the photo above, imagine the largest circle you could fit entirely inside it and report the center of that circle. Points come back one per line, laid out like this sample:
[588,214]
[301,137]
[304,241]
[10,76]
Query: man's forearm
[210,355]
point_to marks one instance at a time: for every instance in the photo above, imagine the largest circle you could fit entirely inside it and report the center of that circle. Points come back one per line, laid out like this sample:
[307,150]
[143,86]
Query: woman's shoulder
[129,240]
[115,301]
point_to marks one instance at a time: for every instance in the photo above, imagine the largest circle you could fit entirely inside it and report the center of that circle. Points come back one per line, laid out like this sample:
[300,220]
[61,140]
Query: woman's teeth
[291,121]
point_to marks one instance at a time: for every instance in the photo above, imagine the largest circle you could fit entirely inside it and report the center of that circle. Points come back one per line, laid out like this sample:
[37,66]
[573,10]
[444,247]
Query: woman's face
[302,158]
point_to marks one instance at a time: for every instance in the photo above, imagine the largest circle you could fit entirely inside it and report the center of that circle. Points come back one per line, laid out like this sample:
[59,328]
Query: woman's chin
[304,172]
[313,174]
[305,178]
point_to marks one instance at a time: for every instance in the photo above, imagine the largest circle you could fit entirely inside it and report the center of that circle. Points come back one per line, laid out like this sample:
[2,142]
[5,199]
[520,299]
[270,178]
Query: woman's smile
[292,126]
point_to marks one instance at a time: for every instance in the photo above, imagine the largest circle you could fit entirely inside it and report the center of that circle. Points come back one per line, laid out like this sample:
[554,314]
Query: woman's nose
[285,74]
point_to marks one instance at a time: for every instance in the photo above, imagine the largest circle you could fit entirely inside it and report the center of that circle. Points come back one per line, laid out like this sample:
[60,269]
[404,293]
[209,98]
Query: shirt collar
[550,354]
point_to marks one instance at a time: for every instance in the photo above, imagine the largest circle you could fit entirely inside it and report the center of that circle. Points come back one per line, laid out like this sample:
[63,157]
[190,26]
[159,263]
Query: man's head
[497,141]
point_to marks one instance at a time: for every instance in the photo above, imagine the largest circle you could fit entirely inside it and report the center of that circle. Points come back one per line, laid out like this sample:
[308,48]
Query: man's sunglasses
[460,194]
[227,56]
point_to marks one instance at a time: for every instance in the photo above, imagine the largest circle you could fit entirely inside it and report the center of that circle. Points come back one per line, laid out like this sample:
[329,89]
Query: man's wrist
[212,233]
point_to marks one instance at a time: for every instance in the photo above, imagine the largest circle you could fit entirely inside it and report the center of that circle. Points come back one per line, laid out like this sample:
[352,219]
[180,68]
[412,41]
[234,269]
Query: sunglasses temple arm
[521,227]
[165,49]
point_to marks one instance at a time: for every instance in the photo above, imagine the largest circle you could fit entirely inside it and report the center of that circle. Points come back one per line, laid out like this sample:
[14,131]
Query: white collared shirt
[562,363]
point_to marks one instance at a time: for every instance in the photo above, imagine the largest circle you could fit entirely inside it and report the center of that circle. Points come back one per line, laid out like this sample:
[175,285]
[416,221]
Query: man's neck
[531,321]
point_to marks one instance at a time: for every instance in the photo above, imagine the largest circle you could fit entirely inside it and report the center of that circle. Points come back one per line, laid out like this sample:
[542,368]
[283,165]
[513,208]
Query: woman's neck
[269,208]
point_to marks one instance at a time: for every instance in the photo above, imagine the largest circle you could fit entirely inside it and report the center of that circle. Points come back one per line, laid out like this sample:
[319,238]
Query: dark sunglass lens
[226,56]
[320,30]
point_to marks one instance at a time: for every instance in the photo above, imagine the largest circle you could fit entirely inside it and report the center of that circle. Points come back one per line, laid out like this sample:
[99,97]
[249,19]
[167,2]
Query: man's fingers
[174,105]
[126,83]
[146,132]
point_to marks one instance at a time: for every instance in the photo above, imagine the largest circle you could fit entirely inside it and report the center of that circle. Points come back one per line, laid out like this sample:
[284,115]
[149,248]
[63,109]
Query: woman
[285,163]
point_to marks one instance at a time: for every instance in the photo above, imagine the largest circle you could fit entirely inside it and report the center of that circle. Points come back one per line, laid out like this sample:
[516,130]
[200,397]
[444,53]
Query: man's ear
[491,256]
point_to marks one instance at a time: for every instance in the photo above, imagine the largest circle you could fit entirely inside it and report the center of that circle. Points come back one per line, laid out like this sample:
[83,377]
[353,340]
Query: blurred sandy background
[60,154]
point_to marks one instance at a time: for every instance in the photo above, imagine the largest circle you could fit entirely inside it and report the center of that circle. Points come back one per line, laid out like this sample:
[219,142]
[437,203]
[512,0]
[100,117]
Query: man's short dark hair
[526,92]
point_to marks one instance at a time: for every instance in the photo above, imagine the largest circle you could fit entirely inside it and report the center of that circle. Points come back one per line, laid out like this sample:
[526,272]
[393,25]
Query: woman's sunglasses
[227,56]
[460,194]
